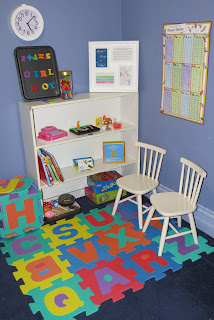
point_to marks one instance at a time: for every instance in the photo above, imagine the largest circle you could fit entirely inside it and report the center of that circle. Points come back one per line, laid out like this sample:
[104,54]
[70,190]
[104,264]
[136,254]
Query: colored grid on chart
[185,66]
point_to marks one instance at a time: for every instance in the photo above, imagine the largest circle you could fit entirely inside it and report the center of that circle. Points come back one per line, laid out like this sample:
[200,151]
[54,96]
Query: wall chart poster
[113,66]
[185,67]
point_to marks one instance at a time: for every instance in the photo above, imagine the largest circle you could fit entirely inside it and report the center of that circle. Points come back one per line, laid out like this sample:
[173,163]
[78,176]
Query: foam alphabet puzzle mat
[75,265]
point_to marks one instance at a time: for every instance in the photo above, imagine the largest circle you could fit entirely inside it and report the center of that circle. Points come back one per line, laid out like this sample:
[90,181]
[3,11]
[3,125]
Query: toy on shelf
[99,122]
[83,164]
[107,122]
[50,133]
[65,206]
[88,129]
[117,125]
[20,207]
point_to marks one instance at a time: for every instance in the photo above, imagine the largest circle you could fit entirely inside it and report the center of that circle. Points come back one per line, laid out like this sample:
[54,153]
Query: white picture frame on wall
[113,66]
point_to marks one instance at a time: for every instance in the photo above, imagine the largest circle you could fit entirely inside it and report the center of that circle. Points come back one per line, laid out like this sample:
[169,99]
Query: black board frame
[33,83]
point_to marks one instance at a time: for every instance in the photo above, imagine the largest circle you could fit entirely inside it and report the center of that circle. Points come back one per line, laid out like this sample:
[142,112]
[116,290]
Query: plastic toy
[65,206]
[55,204]
[51,133]
[49,214]
[83,164]
[107,122]
[84,129]
[117,125]
[99,122]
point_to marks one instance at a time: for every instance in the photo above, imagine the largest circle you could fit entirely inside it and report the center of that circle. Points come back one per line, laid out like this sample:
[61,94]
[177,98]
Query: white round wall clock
[27,22]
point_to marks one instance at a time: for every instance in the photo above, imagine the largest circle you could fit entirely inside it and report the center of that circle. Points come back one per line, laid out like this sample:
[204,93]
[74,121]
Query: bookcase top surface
[80,97]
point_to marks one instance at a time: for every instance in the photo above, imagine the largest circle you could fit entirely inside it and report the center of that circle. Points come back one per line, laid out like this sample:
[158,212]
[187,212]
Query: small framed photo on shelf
[114,151]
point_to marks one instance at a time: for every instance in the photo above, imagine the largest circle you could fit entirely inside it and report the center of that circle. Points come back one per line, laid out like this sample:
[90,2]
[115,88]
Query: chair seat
[137,183]
[171,204]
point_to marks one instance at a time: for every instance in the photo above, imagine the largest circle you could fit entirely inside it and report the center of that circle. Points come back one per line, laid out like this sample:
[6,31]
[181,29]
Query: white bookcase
[84,107]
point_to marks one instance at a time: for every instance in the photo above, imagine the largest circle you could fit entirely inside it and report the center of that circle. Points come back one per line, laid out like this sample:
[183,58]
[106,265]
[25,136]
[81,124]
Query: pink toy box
[103,181]
[20,207]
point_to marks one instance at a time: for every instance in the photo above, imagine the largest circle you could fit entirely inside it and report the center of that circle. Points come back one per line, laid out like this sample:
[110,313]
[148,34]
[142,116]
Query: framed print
[113,66]
[114,151]
[184,70]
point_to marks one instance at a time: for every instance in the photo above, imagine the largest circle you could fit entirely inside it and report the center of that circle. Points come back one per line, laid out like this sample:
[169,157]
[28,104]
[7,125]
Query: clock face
[27,23]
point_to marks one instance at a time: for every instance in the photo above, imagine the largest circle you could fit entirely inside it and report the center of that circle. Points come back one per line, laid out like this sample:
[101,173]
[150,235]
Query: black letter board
[38,72]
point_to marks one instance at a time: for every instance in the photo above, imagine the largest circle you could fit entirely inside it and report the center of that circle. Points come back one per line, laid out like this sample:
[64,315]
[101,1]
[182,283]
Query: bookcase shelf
[84,107]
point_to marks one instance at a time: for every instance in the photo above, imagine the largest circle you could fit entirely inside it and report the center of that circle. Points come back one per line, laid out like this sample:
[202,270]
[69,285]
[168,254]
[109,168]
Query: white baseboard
[204,217]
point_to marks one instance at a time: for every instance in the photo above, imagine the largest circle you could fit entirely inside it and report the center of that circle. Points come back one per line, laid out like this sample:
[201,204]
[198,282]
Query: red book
[42,171]
[56,166]
[49,174]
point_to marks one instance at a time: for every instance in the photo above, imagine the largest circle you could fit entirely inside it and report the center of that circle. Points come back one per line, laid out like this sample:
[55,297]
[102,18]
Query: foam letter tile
[25,246]
[64,300]
[41,271]
[183,248]
[84,253]
[65,232]
[21,209]
[128,212]
[100,219]
[122,238]
[147,264]
[10,186]
[109,280]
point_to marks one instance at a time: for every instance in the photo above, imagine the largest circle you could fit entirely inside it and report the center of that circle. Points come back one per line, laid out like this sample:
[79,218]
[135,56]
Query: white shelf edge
[79,97]
[73,138]
[71,174]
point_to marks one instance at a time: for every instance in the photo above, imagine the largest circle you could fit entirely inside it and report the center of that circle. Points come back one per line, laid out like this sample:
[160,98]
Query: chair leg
[163,236]
[193,228]
[117,201]
[140,213]
[148,219]
[179,221]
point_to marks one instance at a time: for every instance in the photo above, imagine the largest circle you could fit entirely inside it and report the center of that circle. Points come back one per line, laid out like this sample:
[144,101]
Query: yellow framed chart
[185,67]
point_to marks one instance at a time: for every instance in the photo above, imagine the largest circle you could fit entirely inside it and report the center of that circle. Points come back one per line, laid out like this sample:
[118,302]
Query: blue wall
[143,20]
[69,25]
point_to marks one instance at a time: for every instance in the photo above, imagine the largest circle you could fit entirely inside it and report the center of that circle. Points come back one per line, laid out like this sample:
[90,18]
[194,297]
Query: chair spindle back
[152,161]
[191,180]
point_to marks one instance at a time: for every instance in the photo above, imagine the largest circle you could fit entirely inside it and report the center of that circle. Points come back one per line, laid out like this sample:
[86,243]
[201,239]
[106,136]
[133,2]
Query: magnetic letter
[49,72]
[41,56]
[36,74]
[27,74]
[43,73]
[34,87]
[48,55]
[51,84]
[45,86]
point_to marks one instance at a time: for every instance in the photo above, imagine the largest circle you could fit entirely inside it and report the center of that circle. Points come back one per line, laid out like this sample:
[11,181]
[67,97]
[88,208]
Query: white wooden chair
[175,204]
[140,184]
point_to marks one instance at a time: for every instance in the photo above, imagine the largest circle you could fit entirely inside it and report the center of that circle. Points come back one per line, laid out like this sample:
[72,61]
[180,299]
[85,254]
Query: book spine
[50,169]
[58,170]
[54,170]
[49,174]
[44,168]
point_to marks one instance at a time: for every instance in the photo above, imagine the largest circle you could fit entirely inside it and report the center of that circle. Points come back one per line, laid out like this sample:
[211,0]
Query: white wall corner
[204,217]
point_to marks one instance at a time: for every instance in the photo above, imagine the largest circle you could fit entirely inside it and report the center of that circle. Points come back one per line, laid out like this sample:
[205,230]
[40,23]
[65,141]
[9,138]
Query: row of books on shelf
[49,169]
